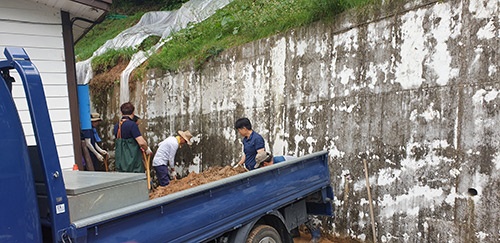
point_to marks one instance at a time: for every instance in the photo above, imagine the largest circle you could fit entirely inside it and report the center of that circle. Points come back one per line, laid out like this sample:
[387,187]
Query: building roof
[84,13]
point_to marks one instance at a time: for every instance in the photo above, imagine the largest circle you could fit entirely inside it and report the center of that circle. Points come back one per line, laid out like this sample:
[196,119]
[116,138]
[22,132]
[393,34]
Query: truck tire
[263,234]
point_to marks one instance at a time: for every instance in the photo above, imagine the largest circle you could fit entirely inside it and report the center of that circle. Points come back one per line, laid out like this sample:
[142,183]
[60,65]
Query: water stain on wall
[411,87]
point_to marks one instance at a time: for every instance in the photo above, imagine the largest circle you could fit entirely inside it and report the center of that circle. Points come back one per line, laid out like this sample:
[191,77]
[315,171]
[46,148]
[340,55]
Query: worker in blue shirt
[129,142]
[98,153]
[252,142]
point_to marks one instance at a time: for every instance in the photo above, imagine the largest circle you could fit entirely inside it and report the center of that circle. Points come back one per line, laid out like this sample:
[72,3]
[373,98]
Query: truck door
[20,221]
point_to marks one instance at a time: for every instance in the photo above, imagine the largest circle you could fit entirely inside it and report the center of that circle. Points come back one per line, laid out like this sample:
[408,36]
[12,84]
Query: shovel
[242,165]
[146,165]
[106,157]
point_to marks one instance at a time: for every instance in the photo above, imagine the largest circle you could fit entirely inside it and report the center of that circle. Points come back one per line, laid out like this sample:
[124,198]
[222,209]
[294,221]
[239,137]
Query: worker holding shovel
[95,119]
[129,142]
[253,143]
[163,161]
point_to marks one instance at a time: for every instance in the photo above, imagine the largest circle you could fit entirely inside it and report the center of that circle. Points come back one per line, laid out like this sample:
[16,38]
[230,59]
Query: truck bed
[204,212]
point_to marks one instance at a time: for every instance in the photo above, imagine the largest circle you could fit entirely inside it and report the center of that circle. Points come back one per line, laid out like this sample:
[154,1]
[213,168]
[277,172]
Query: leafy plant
[110,58]
[149,42]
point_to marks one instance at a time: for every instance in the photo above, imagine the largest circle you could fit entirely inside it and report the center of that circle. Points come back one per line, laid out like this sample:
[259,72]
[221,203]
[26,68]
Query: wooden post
[370,201]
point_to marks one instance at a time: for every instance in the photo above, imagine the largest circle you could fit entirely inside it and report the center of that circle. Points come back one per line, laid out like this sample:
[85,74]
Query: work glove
[172,174]
[99,157]
[104,152]
[148,151]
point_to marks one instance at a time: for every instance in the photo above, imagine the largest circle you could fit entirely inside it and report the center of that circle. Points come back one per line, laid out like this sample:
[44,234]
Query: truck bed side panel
[209,210]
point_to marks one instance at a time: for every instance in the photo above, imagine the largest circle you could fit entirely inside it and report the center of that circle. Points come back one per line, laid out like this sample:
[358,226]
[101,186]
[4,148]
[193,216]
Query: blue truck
[40,202]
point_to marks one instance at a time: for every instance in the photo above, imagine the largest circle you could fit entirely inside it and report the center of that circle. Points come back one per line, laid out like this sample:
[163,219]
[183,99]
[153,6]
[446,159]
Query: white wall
[38,29]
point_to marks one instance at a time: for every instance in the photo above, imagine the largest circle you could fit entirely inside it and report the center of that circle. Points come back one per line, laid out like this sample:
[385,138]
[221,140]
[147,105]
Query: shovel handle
[106,157]
[146,165]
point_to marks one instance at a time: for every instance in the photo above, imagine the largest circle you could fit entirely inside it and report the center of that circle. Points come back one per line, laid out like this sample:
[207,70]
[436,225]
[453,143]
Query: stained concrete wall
[411,87]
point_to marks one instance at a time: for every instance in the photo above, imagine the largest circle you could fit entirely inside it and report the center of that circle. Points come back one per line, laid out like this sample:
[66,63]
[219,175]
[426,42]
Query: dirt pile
[194,179]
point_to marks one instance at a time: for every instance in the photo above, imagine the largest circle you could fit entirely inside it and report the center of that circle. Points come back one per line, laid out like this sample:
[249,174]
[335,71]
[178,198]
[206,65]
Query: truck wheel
[264,234]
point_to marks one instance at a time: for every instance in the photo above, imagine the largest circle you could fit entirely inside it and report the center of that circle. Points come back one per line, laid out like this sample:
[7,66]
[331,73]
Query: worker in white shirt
[163,162]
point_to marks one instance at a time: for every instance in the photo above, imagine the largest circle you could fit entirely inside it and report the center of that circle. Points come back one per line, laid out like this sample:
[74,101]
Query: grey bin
[92,193]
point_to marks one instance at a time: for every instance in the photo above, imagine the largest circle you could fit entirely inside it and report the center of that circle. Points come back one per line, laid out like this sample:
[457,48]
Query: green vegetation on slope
[240,22]
[110,58]
[123,15]
[129,7]
[102,32]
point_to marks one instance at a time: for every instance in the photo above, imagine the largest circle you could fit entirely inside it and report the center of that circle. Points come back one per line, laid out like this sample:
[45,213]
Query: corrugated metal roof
[82,12]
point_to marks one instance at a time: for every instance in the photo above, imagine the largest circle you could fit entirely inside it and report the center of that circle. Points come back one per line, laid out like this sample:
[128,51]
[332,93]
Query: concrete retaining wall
[411,87]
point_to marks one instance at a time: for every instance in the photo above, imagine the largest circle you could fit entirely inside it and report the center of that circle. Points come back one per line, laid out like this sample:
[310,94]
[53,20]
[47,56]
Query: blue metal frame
[19,221]
[44,137]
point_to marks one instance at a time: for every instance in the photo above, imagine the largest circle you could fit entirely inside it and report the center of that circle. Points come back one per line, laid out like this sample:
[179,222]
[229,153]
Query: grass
[102,32]
[110,58]
[240,22]
[124,14]
[129,7]
[149,42]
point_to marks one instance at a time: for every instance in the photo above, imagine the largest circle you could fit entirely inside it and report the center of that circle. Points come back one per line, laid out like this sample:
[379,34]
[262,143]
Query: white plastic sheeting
[159,23]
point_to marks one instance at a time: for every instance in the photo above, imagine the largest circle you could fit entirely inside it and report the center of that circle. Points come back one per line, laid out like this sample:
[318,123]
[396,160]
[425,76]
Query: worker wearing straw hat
[163,161]
[98,154]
